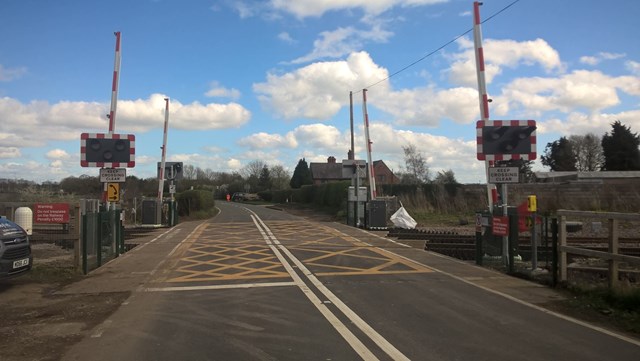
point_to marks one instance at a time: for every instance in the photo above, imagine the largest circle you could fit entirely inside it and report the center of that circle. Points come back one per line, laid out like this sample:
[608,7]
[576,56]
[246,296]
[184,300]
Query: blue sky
[270,80]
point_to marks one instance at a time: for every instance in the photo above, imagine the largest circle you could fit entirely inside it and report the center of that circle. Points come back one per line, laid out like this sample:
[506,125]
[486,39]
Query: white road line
[219,287]
[509,297]
[351,339]
[385,345]
[100,329]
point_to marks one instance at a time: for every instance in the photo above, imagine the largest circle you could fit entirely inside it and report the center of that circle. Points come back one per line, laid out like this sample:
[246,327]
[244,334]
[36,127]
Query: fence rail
[613,256]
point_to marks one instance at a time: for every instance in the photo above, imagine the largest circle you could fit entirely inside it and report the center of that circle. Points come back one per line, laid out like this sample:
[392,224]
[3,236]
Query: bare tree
[588,151]
[279,177]
[253,169]
[189,171]
[416,170]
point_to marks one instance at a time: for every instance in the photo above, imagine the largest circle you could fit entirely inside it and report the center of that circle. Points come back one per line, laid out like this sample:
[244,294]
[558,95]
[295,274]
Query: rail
[613,255]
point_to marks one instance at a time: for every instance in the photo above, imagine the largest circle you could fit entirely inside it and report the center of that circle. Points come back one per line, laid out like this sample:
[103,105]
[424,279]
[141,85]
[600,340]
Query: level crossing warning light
[506,139]
[107,150]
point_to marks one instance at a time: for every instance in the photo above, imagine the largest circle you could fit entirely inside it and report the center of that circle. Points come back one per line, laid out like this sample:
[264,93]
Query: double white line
[362,350]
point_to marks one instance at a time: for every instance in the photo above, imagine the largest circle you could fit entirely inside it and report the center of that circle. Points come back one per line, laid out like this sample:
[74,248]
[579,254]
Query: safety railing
[612,256]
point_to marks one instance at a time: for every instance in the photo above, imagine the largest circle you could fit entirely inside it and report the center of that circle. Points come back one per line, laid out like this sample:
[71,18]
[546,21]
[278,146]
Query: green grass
[426,218]
[52,273]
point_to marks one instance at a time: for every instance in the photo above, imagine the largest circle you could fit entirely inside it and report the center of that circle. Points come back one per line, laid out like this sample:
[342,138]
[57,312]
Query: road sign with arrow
[113,192]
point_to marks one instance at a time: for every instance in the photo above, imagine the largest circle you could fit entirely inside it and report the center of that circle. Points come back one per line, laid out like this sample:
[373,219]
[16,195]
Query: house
[331,171]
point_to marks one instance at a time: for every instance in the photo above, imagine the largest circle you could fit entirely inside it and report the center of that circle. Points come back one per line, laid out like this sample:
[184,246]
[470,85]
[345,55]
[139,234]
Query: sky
[270,80]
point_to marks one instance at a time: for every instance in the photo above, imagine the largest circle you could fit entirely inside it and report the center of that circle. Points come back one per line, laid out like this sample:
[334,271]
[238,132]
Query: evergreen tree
[559,156]
[301,175]
[620,148]
[264,182]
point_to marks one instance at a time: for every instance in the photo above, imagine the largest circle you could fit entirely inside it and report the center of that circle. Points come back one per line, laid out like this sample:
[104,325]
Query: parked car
[15,249]
[237,197]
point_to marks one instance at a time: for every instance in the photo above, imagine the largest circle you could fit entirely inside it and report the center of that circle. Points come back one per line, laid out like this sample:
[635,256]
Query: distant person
[228,197]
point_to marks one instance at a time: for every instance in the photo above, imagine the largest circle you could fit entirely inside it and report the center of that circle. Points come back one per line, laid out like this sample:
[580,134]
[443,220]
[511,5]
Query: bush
[195,201]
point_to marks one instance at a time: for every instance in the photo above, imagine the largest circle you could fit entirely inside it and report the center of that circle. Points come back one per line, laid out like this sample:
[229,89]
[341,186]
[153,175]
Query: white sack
[402,219]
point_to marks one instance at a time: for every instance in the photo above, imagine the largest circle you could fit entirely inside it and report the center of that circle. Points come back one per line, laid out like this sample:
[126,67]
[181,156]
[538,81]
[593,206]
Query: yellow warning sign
[113,192]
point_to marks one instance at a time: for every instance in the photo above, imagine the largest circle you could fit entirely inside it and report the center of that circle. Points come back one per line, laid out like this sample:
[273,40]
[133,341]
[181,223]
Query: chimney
[331,160]
[350,155]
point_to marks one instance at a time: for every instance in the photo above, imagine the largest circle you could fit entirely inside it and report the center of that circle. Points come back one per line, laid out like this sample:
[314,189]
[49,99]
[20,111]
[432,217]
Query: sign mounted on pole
[107,150]
[115,175]
[506,139]
[113,192]
[501,175]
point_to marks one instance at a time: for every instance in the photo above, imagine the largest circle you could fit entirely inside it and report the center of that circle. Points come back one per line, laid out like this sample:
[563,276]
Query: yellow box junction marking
[236,251]
[316,240]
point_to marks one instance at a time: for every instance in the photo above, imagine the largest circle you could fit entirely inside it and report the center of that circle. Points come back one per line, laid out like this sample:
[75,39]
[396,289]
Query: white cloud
[633,67]
[286,37]
[581,123]
[57,154]
[318,136]
[307,8]
[590,90]
[9,152]
[428,106]
[319,90]
[342,41]
[218,91]
[264,140]
[234,164]
[597,59]
[499,54]
[7,74]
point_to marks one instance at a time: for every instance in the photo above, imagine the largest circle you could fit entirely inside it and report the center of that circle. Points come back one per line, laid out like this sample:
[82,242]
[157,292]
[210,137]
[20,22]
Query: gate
[102,238]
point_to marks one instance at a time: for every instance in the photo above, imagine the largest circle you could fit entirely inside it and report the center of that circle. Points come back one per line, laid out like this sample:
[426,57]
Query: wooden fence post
[613,248]
[562,256]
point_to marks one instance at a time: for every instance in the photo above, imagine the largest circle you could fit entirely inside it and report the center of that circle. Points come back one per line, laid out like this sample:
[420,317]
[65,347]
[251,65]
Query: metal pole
[353,150]
[482,87]
[163,161]
[114,105]
[114,86]
[370,172]
[534,243]
[505,212]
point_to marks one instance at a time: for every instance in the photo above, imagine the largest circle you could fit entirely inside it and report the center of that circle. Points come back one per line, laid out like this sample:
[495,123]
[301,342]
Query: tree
[301,175]
[416,169]
[251,173]
[279,177]
[264,182]
[588,151]
[620,148]
[559,156]
[445,177]
[189,171]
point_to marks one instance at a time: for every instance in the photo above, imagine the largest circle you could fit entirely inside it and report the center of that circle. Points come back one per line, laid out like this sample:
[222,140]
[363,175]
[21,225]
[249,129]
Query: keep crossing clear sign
[500,175]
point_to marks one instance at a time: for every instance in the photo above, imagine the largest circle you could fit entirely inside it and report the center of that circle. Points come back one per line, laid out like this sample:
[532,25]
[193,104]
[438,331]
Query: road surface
[255,283]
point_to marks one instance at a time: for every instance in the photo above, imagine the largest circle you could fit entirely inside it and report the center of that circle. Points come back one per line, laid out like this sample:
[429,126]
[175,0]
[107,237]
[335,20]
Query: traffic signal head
[172,170]
[505,140]
[107,150]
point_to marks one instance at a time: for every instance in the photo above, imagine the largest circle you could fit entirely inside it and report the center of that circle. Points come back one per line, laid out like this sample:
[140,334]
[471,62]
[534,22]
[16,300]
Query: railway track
[463,246]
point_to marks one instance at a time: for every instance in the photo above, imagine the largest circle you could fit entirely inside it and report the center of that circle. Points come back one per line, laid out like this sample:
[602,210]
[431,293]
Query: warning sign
[113,192]
[51,213]
[500,225]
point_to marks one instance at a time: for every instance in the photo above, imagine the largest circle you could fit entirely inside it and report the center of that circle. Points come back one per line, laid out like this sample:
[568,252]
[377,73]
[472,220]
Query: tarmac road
[259,284]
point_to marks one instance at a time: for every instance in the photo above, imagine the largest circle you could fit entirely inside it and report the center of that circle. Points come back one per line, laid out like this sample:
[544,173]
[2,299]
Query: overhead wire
[438,49]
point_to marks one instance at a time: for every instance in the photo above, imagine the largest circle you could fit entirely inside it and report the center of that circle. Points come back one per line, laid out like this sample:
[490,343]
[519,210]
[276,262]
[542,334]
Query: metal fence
[102,238]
